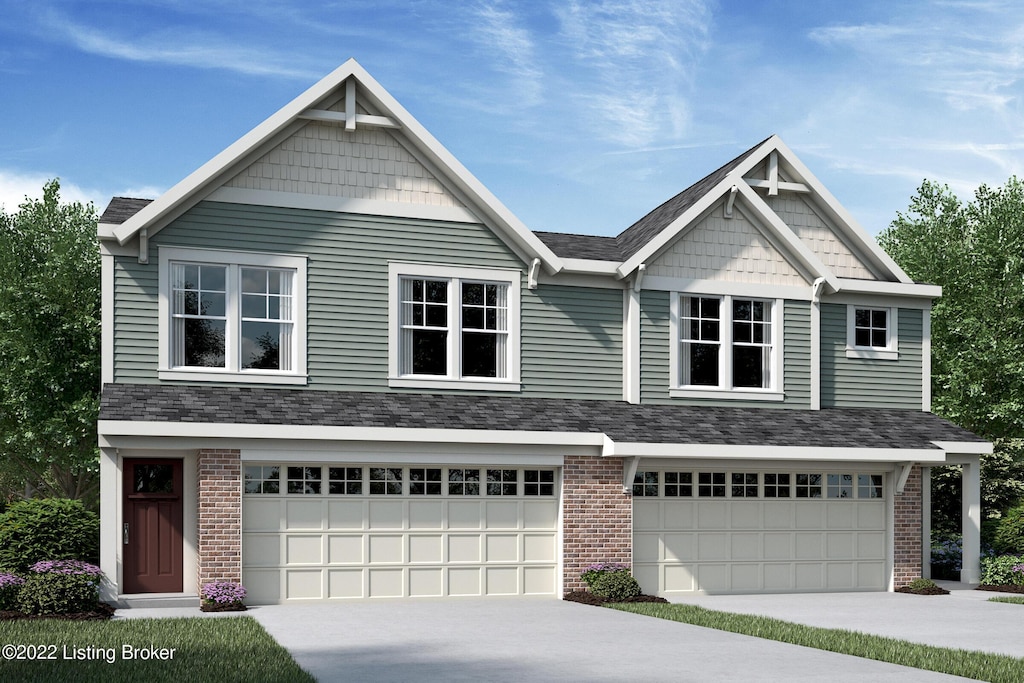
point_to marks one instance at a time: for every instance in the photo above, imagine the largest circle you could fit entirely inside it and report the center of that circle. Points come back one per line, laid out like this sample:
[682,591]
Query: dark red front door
[153,520]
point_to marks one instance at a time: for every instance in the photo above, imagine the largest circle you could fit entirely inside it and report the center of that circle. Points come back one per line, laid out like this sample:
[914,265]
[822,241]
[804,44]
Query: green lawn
[205,649]
[1016,600]
[977,665]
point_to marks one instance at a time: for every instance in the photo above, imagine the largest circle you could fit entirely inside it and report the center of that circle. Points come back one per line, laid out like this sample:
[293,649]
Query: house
[336,367]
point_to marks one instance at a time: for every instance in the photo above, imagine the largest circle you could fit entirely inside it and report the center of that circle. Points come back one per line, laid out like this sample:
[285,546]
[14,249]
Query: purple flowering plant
[67,567]
[8,580]
[595,570]
[10,584]
[223,592]
[1018,568]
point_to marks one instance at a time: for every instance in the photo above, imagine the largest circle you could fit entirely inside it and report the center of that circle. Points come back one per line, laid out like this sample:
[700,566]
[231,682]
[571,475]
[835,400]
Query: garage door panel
[386,549]
[778,577]
[679,515]
[744,578]
[870,574]
[464,548]
[778,515]
[303,549]
[426,583]
[345,549]
[870,515]
[342,514]
[464,581]
[502,548]
[809,577]
[871,545]
[539,548]
[502,515]
[426,514]
[841,546]
[809,515]
[538,581]
[266,584]
[263,515]
[842,516]
[304,514]
[387,514]
[677,547]
[386,583]
[713,515]
[502,580]
[647,515]
[745,547]
[744,515]
[345,583]
[303,584]
[713,577]
[465,515]
[426,549]
[539,514]
[712,546]
[840,575]
[261,549]
[679,578]
[809,546]
[778,546]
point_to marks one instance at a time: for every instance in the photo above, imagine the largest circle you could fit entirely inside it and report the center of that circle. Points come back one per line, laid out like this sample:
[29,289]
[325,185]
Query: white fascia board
[796,246]
[403,457]
[105,231]
[114,428]
[910,289]
[727,452]
[754,289]
[845,221]
[965,447]
[591,266]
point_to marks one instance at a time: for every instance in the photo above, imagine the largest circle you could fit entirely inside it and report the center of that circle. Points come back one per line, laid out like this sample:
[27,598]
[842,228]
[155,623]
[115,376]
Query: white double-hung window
[231,316]
[726,346]
[454,327]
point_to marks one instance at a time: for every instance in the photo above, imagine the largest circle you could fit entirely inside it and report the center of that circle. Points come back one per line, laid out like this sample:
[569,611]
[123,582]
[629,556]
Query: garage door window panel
[345,481]
[262,479]
[808,485]
[539,483]
[424,481]
[711,484]
[502,482]
[744,484]
[304,480]
[776,485]
[645,484]
[869,485]
[840,486]
[385,481]
[678,484]
[463,482]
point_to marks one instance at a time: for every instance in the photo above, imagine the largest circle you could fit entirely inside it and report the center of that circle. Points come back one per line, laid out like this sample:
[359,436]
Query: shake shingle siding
[869,383]
[571,337]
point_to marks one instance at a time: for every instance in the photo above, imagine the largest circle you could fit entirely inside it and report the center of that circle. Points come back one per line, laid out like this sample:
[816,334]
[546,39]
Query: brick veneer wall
[219,486]
[597,521]
[907,531]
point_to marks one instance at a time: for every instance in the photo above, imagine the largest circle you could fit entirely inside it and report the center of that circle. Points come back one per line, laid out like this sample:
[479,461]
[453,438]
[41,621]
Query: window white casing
[234,262]
[891,349]
[508,377]
[774,392]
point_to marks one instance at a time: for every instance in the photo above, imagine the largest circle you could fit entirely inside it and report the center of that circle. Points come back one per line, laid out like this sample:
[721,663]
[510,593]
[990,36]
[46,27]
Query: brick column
[907,529]
[219,486]
[597,524]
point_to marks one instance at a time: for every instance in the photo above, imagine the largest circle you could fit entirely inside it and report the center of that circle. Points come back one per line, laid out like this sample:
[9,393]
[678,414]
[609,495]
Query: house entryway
[152,526]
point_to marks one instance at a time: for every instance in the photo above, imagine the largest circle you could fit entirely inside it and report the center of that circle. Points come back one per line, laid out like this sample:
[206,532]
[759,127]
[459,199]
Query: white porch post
[110,523]
[971,520]
[926,522]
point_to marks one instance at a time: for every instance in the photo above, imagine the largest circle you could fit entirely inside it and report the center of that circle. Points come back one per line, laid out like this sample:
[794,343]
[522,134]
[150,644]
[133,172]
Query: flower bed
[588,598]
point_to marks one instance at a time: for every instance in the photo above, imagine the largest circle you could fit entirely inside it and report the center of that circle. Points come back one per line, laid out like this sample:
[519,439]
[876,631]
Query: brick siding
[219,486]
[907,531]
[598,518]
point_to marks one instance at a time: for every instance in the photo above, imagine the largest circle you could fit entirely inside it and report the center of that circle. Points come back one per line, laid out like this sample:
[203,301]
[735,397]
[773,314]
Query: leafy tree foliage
[50,345]
[975,251]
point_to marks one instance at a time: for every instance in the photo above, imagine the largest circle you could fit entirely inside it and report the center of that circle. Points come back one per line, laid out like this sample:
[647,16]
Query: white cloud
[15,186]
[179,48]
[512,47]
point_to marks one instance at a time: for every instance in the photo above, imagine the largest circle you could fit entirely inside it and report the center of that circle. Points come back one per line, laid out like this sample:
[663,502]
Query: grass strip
[1016,600]
[223,649]
[967,663]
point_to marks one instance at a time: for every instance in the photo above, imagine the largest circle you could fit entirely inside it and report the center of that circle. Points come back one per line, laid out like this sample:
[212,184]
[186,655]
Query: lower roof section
[615,428]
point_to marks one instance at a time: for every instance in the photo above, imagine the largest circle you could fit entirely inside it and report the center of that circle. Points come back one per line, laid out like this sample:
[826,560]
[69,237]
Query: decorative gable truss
[343,145]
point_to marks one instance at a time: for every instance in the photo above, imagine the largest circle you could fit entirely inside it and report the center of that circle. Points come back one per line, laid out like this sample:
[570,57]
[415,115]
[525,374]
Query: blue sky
[580,116]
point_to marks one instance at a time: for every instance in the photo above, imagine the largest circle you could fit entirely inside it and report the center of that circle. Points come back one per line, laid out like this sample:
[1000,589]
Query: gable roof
[339,84]
[621,422]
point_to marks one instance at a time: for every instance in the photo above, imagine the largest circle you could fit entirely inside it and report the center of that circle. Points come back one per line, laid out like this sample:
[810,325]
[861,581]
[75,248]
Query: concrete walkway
[541,640]
[963,619]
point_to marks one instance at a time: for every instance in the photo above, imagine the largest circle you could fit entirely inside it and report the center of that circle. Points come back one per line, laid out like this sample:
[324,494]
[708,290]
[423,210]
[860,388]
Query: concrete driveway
[541,640]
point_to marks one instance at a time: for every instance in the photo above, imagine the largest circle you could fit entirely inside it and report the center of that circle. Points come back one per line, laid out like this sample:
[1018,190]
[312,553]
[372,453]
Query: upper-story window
[232,316]
[454,327]
[727,344]
[871,332]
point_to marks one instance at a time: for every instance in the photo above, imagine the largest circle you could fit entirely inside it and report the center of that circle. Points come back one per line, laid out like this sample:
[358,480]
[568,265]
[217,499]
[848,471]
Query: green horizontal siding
[870,383]
[576,332]
[655,338]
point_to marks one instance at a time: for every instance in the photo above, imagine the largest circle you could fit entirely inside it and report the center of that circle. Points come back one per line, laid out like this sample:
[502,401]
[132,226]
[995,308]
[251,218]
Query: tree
[50,345]
[975,251]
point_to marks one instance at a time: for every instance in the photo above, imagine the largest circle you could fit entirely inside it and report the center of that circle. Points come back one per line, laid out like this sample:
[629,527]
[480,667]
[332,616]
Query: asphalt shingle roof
[622,422]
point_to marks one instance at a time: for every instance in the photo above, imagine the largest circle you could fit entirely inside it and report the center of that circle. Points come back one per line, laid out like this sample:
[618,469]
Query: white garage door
[316,532]
[721,531]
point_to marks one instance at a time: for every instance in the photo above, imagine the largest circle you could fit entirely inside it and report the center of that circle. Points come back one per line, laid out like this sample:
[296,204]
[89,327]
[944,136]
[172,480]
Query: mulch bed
[590,599]
[222,607]
[930,590]
[102,612]
[1008,588]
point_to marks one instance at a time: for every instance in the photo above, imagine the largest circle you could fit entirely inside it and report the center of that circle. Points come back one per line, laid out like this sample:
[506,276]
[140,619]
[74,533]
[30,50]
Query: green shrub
[920,584]
[58,593]
[47,529]
[1002,570]
[10,586]
[1009,536]
[616,585]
